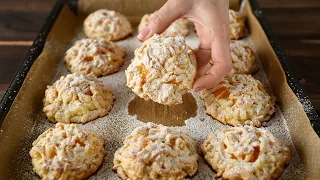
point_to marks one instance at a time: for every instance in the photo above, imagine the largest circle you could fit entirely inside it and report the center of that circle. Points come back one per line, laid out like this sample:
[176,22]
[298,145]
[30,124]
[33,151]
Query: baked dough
[237,26]
[243,59]
[156,152]
[96,56]
[77,98]
[239,100]
[162,70]
[67,152]
[246,153]
[108,24]
[177,28]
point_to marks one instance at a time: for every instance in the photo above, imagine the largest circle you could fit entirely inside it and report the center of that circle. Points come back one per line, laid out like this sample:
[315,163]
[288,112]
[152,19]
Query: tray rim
[38,44]
[33,53]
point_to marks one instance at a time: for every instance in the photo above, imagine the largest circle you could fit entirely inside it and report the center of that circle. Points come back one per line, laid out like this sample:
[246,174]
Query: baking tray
[39,43]
[292,80]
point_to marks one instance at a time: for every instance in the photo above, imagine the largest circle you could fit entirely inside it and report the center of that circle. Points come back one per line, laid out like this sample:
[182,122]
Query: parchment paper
[25,120]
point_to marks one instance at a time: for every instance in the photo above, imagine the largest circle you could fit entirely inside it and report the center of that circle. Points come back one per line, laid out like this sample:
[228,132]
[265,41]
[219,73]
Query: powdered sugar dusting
[118,123]
[162,70]
[106,23]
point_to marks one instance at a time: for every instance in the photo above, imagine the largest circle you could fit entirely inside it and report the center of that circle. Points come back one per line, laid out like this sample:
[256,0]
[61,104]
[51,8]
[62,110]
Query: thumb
[162,19]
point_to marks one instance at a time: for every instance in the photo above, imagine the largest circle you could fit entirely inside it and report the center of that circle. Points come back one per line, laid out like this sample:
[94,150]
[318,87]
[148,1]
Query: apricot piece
[88,58]
[79,142]
[144,72]
[89,92]
[255,154]
[174,81]
[221,93]
[172,142]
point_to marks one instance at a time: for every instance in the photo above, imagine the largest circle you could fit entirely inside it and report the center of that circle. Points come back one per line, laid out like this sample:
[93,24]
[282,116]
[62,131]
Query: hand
[211,20]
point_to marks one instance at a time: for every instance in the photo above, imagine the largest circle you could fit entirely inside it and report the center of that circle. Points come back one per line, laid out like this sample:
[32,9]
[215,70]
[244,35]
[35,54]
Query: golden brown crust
[243,59]
[246,153]
[239,100]
[177,28]
[156,152]
[67,152]
[237,26]
[162,70]
[108,24]
[77,98]
[94,56]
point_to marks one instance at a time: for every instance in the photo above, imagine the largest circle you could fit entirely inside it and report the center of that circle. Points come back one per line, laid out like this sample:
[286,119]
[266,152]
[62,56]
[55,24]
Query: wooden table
[295,22]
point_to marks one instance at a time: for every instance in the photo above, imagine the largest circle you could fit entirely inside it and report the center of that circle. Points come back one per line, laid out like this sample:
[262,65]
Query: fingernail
[198,89]
[142,34]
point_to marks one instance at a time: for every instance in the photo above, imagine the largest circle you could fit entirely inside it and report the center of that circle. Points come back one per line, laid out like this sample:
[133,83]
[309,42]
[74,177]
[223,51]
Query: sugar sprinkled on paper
[118,123]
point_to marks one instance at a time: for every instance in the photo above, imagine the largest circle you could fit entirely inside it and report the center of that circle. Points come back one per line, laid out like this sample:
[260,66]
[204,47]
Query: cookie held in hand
[162,70]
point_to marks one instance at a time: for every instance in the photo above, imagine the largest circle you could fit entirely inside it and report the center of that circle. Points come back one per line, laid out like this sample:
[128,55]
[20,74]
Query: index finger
[220,53]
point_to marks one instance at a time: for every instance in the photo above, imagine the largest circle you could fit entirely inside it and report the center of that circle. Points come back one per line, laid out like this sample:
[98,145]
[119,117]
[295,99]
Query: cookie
[107,24]
[239,100]
[77,98]
[97,56]
[246,153]
[67,152]
[237,26]
[156,152]
[162,70]
[177,28]
[243,59]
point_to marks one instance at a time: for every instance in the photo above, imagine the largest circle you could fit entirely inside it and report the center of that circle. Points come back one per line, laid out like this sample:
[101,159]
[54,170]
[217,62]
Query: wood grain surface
[295,23]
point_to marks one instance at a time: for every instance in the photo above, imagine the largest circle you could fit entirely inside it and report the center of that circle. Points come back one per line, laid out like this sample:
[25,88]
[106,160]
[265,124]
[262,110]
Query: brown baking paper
[25,120]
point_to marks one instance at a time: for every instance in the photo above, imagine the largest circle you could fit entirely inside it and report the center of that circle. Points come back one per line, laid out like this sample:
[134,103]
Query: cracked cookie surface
[239,100]
[246,153]
[67,152]
[243,59]
[177,28]
[237,26]
[97,56]
[156,152]
[162,70]
[107,24]
[77,98]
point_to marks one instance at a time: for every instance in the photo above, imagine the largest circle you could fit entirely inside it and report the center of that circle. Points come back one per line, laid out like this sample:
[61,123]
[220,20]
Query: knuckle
[156,19]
